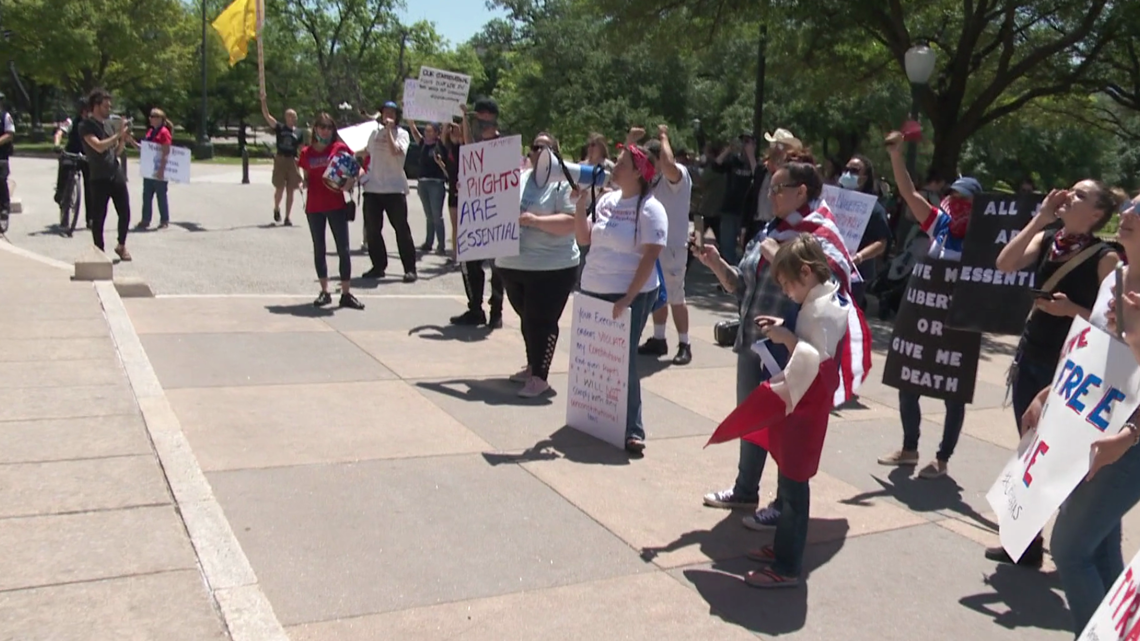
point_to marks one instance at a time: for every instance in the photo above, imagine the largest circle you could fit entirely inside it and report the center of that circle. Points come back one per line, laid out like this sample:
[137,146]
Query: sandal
[769,579]
[766,555]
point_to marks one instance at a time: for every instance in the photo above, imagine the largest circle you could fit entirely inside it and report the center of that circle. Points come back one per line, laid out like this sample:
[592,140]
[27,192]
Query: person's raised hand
[1056,199]
[662,131]
[894,142]
[635,135]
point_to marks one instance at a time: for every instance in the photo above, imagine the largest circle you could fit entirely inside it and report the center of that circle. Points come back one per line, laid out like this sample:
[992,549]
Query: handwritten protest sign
[177,162]
[599,370]
[985,299]
[851,209]
[415,110]
[1092,395]
[441,91]
[489,196]
[926,356]
[356,136]
[1118,616]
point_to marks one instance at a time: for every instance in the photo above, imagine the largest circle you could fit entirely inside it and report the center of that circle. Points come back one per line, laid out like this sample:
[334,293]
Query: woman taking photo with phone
[327,206]
[626,234]
[1069,264]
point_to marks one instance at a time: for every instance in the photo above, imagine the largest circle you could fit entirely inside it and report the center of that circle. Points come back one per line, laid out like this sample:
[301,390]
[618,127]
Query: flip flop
[768,579]
[766,555]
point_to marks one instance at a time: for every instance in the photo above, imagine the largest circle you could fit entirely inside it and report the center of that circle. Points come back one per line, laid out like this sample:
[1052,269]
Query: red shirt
[159,135]
[313,163]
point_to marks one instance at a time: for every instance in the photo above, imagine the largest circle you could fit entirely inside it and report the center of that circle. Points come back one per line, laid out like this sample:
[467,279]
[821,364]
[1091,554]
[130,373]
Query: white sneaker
[521,376]
[534,388]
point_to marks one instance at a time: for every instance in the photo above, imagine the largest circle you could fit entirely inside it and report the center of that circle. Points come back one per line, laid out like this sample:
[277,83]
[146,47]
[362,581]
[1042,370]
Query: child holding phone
[789,415]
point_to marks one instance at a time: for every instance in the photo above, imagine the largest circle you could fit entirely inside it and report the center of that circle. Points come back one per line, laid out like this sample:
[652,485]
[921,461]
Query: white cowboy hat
[783,137]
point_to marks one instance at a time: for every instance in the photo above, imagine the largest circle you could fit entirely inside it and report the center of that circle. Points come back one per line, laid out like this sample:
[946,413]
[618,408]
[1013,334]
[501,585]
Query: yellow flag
[237,25]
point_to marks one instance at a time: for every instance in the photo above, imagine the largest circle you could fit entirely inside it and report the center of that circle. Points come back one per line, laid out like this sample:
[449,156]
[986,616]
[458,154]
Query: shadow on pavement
[461,333]
[921,495]
[1029,598]
[490,391]
[303,310]
[567,443]
[729,598]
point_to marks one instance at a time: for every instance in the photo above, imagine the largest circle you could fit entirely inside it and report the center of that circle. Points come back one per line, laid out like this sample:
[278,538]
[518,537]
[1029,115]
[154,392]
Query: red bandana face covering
[642,163]
[959,210]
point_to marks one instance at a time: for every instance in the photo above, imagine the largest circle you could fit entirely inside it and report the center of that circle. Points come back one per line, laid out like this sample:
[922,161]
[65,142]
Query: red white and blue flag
[854,352]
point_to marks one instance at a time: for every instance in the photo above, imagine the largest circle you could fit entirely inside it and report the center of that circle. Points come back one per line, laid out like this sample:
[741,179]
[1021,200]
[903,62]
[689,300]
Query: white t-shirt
[676,197]
[616,241]
[9,124]
[1100,308]
[386,171]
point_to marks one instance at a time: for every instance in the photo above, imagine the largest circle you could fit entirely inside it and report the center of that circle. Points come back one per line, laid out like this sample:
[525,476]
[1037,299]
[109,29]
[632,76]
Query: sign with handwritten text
[415,110]
[441,91]
[852,210]
[1118,617]
[599,370]
[1094,391]
[177,162]
[489,196]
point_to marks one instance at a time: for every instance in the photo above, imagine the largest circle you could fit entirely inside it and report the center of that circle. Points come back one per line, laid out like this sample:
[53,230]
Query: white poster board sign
[489,197]
[356,136]
[415,110]
[440,91]
[852,210]
[1118,616]
[1093,393]
[177,162]
[599,370]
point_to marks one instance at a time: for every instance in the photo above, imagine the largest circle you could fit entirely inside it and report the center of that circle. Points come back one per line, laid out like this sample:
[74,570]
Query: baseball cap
[966,186]
[389,105]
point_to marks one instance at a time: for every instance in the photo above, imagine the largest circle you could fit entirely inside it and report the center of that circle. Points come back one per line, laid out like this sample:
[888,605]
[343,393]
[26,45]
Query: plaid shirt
[759,294]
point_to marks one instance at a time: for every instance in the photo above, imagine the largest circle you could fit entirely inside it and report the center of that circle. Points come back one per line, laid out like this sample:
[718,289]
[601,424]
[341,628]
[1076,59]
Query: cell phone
[699,228]
[1120,301]
[1040,293]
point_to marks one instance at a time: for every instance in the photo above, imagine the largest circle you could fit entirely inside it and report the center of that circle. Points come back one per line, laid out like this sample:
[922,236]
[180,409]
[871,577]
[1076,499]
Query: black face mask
[483,125]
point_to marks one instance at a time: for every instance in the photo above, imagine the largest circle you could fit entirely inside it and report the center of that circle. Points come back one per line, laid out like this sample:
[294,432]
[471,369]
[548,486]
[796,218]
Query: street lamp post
[205,148]
[919,62]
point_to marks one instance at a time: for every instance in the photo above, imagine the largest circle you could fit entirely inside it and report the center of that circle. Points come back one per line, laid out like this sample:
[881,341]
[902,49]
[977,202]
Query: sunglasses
[775,190]
[537,148]
[853,170]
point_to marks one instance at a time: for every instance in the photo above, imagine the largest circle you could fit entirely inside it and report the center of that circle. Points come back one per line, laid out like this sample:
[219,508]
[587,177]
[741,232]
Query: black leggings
[539,299]
[338,223]
[475,281]
[113,190]
[396,206]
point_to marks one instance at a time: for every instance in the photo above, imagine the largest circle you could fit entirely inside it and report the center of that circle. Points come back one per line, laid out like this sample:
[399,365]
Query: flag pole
[260,49]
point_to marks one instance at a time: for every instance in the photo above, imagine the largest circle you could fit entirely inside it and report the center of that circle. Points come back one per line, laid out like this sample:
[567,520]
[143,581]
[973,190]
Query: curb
[232,584]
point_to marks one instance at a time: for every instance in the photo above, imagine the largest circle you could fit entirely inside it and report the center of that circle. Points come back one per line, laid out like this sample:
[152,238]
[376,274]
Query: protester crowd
[758,221]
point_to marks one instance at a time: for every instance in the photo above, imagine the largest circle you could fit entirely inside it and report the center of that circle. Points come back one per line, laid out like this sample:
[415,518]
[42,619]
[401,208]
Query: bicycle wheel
[72,201]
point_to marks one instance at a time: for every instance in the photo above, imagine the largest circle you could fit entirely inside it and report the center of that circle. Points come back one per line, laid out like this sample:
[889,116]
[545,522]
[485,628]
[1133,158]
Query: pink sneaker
[534,388]
[521,376]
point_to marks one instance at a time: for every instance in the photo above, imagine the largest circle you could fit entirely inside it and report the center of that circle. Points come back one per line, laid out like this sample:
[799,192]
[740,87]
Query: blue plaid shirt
[760,295]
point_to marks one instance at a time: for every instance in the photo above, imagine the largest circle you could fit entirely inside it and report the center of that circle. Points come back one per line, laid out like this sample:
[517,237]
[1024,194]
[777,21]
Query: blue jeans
[1032,377]
[729,236]
[639,311]
[793,499]
[338,223]
[1086,538]
[155,188]
[750,373]
[432,193]
[911,414]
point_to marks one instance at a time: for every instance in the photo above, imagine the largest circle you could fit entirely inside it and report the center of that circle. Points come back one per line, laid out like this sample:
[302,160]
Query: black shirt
[288,140]
[1045,334]
[739,182]
[102,165]
[74,140]
[878,228]
[451,161]
[429,168]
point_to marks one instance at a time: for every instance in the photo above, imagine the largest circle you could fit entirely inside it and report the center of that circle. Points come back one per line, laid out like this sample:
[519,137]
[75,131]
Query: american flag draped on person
[793,431]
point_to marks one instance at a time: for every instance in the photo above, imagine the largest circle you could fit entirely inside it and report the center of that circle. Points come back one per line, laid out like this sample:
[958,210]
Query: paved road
[221,241]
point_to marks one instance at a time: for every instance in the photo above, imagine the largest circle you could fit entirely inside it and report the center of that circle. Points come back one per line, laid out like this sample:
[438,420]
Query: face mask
[324,140]
[849,180]
[483,125]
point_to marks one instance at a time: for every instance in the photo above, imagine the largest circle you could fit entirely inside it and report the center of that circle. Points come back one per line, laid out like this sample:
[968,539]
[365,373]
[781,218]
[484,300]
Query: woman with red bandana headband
[946,225]
[1083,211]
[626,233]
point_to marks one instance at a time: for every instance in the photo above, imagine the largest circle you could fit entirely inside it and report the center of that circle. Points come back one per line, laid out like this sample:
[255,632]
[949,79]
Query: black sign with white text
[985,299]
[925,355]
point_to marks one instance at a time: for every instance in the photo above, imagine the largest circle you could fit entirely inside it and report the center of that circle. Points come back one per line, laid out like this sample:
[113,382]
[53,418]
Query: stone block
[132,287]
[94,265]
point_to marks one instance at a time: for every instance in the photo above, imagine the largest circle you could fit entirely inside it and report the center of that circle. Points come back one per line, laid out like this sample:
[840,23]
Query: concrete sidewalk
[93,544]
[386,483]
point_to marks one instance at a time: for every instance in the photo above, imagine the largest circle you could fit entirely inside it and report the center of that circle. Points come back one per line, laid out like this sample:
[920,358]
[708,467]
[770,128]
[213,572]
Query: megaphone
[549,168]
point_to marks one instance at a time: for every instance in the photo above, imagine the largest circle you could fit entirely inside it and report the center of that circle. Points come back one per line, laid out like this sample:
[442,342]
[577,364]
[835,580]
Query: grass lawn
[46,149]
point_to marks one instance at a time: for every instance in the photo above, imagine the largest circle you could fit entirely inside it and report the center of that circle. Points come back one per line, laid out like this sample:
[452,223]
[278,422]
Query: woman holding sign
[538,281]
[159,133]
[859,175]
[1069,264]
[626,235]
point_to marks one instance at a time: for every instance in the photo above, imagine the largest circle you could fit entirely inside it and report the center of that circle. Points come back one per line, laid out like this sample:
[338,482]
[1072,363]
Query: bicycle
[69,200]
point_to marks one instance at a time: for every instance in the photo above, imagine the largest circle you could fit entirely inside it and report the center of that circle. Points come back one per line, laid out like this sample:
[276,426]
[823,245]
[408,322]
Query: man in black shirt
[738,160]
[73,145]
[286,175]
[108,183]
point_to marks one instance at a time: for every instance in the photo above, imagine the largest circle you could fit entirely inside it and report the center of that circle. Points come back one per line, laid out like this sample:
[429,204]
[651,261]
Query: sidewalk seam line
[116,577]
[233,588]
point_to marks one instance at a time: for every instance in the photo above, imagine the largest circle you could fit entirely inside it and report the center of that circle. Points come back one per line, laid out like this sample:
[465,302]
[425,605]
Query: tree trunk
[948,143]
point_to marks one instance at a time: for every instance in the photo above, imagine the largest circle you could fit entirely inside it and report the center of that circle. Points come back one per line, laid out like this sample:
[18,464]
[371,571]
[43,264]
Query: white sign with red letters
[1118,616]
[1094,392]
